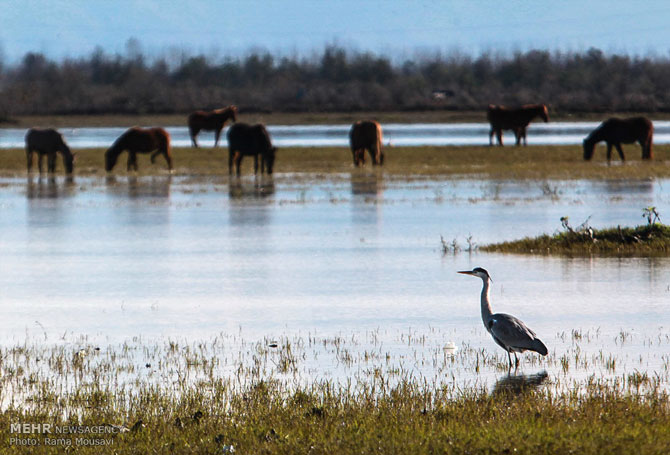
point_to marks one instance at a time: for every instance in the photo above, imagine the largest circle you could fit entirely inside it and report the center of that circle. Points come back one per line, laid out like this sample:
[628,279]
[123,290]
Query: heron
[507,331]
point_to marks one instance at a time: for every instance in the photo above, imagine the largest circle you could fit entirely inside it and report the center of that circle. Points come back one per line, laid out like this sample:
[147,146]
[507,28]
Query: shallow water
[166,256]
[401,135]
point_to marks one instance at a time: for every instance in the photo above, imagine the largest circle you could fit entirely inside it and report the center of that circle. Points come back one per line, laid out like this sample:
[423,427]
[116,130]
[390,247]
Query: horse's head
[233,113]
[69,158]
[544,113]
[589,147]
[110,159]
[269,158]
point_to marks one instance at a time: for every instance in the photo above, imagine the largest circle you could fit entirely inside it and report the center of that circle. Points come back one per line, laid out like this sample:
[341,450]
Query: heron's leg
[516,361]
[509,359]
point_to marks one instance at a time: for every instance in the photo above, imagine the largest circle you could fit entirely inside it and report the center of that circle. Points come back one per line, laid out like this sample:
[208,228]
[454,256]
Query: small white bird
[509,332]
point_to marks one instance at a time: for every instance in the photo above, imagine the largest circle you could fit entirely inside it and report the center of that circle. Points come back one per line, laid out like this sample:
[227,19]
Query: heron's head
[478,272]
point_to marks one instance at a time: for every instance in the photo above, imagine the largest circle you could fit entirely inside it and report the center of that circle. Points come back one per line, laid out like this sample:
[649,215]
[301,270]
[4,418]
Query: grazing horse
[210,121]
[366,135]
[48,142]
[615,131]
[250,140]
[139,140]
[515,119]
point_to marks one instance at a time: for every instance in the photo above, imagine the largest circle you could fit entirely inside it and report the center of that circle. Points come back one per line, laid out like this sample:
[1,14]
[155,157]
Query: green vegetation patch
[652,239]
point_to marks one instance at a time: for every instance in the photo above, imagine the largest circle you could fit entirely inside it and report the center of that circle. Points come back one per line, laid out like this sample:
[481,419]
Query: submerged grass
[645,240]
[230,395]
[532,162]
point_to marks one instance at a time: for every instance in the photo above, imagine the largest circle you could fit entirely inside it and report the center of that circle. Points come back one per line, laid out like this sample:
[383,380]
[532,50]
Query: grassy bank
[646,240]
[532,162]
[260,397]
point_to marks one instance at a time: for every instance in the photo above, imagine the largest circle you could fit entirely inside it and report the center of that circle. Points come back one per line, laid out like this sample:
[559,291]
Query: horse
[48,142]
[139,140]
[210,121]
[250,140]
[366,135]
[515,119]
[615,131]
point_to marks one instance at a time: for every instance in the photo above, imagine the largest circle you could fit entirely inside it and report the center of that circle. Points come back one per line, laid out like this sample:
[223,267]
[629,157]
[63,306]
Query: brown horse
[139,140]
[615,131]
[250,140]
[515,119]
[48,142]
[366,135]
[210,121]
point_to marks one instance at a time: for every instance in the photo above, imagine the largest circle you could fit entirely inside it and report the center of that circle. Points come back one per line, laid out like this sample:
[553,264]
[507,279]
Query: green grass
[199,397]
[645,240]
[532,162]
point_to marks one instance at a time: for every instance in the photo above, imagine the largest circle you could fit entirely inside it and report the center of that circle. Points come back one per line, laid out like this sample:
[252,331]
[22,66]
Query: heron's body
[508,332]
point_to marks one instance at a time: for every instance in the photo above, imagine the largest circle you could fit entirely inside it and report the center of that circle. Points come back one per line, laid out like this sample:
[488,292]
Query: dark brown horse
[515,119]
[366,135]
[615,131]
[210,121]
[139,140]
[48,142]
[250,140]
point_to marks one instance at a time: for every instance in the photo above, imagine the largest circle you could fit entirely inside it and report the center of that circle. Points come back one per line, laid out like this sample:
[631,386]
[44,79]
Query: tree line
[335,79]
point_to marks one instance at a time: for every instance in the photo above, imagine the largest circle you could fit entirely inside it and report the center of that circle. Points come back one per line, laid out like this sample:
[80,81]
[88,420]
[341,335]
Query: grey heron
[509,332]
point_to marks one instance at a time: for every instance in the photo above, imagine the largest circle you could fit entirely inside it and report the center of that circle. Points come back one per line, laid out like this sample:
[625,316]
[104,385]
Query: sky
[399,29]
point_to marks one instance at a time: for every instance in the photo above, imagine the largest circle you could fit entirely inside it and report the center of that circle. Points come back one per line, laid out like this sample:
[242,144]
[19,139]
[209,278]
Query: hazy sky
[401,28]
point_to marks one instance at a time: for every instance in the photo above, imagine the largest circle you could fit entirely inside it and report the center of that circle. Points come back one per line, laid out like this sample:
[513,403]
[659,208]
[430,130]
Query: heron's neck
[486,305]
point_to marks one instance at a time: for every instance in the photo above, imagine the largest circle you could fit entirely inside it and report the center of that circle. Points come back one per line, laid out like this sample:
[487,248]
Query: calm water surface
[165,256]
[406,135]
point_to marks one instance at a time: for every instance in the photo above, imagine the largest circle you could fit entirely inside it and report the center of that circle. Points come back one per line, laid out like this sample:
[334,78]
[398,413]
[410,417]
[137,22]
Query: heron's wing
[513,333]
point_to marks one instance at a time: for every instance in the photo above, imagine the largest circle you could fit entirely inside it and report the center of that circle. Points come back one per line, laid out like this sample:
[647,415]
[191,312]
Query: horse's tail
[379,155]
[649,155]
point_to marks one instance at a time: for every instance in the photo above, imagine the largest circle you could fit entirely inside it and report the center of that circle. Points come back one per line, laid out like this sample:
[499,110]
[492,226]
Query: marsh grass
[644,240]
[532,162]
[263,396]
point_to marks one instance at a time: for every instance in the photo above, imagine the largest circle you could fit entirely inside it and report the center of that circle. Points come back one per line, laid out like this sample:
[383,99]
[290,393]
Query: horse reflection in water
[157,187]
[251,203]
[49,188]
[516,384]
[367,194]
[259,189]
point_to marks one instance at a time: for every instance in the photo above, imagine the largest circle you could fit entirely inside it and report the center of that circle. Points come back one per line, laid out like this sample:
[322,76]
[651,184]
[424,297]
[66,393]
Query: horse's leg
[155,154]
[646,148]
[620,150]
[609,152]
[517,136]
[194,132]
[491,133]
[499,135]
[255,163]
[40,155]
[230,161]
[51,162]
[238,162]
[132,160]
[29,158]
[168,158]
[523,135]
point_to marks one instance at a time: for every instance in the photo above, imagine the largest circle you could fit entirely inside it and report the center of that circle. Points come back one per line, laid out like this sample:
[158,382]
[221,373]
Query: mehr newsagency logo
[47,434]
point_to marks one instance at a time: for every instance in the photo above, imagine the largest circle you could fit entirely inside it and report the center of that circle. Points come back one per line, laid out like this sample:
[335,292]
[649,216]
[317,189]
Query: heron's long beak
[466,272]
